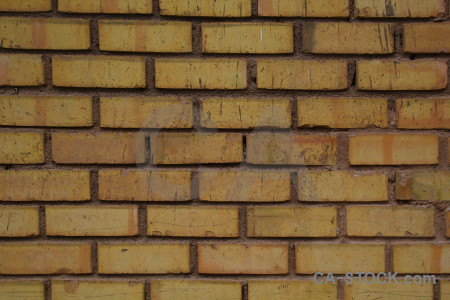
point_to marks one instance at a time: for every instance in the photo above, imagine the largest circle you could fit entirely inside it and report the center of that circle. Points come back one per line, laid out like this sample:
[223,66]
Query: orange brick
[19,221]
[206,8]
[21,148]
[291,149]
[424,113]
[44,33]
[242,259]
[302,74]
[45,258]
[91,220]
[306,8]
[143,258]
[100,290]
[247,37]
[148,185]
[106,6]
[289,290]
[426,38]
[390,291]
[145,36]
[101,148]
[21,70]
[196,148]
[228,74]
[99,71]
[351,38]
[423,185]
[146,112]
[26,5]
[394,149]
[399,8]
[245,113]
[195,289]
[424,74]
[422,258]
[342,112]
[13,290]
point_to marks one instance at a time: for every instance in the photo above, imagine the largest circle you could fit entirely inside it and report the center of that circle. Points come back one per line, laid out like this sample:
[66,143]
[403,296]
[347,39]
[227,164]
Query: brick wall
[223,149]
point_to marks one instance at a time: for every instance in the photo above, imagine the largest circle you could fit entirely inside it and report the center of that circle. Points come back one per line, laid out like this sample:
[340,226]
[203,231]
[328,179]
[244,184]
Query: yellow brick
[21,148]
[247,37]
[342,112]
[390,221]
[44,33]
[291,149]
[145,36]
[342,186]
[45,258]
[25,5]
[54,111]
[422,258]
[146,112]
[106,6]
[101,148]
[91,220]
[387,291]
[290,290]
[291,221]
[13,290]
[143,258]
[148,185]
[302,74]
[19,221]
[245,113]
[399,8]
[339,258]
[196,148]
[394,149]
[206,8]
[21,70]
[351,38]
[242,259]
[242,186]
[423,185]
[194,290]
[424,74]
[193,221]
[426,38]
[99,71]
[208,73]
[100,290]
[423,113]
[447,214]
[306,8]
[445,289]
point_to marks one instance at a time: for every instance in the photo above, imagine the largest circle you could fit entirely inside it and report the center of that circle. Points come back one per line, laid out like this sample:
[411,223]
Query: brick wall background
[212,149]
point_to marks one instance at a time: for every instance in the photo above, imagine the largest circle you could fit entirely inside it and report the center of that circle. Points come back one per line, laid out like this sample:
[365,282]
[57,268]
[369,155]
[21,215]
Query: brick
[106,6]
[54,111]
[44,33]
[145,36]
[45,258]
[426,38]
[195,148]
[101,290]
[390,221]
[391,291]
[394,149]
[247,37]
[26,5]
[244,113]
[339,258]
[19,221]
[195,289]
[91,220]
[342,186]
[13,290]
[342,112]
[244,186]
[423,185]
[307,8]
[242,259]
[45,185]
[444,288]
[100,148]
[148,185]
[21,148]
[447,214]
[21,70]
[289,290]
[99,71]
[399,8]
[424,74]
[192,221]
[143,258]
[421,258]
[302,74]
[291,221]
[146,112]
[228,74]
[348,38]
[208,8]
[423,113]
[291,149]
